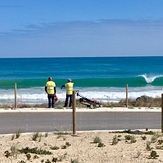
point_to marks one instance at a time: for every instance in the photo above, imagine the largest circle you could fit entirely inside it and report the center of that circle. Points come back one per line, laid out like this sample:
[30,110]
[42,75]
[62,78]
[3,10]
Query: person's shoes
[64,106]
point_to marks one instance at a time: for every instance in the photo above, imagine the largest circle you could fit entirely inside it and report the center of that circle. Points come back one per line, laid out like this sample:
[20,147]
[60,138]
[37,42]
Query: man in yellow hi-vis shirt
[50,89]
[69,90]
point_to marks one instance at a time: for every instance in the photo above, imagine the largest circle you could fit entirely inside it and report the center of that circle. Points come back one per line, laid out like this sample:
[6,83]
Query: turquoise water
[104,78]
[86,72]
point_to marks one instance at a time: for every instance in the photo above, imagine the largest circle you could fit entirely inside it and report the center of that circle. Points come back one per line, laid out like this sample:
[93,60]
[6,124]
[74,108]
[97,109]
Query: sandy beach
[84,147]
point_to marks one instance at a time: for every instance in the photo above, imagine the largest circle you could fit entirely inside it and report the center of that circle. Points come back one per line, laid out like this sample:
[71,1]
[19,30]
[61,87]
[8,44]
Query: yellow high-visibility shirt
[50,87]
[69,88]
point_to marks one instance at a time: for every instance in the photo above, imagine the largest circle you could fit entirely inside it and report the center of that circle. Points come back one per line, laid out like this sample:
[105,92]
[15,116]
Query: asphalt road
[85,121]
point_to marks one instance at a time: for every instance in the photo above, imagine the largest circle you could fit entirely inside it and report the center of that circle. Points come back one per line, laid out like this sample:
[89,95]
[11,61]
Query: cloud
[86,38]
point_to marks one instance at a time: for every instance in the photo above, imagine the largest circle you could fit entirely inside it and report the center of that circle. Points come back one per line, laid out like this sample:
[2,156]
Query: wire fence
[74,120]
[51,121]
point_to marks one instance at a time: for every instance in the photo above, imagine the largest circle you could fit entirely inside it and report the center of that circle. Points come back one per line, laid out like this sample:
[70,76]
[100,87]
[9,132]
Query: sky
[81,28]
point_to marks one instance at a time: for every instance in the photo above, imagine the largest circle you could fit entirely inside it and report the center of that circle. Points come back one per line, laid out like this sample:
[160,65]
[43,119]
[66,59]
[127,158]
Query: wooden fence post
[126,95]
[15,93]
[74,112]
[162,113]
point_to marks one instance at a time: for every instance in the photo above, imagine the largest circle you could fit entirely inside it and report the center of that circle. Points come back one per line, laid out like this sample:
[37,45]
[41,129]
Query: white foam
[150,79]
[38,95]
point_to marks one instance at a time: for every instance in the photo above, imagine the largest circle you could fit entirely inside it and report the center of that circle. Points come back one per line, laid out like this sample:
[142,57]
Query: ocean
[100,78]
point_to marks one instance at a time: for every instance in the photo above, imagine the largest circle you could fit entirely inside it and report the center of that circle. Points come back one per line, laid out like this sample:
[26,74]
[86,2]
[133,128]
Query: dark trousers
[68,97]
[50,101]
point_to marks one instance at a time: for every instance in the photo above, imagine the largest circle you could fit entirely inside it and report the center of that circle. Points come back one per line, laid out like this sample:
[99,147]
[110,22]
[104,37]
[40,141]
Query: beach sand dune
[84,147]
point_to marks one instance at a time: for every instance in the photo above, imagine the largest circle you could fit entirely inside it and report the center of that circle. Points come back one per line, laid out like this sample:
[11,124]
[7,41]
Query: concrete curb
[118,109]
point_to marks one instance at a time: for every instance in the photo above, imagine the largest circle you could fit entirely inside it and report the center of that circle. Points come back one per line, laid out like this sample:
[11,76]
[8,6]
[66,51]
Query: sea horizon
[117,56]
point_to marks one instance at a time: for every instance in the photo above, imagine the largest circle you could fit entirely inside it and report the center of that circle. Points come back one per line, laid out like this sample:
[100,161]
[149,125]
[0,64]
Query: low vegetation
[57,150]
[143,101]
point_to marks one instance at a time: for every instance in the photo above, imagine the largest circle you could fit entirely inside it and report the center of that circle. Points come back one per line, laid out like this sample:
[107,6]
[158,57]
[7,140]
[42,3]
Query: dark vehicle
[88,102]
